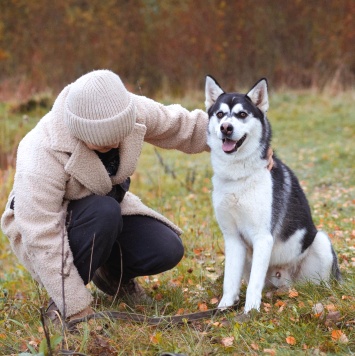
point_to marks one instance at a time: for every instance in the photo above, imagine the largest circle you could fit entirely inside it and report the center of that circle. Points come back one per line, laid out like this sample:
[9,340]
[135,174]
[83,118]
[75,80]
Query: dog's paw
[251,305]
[227,302]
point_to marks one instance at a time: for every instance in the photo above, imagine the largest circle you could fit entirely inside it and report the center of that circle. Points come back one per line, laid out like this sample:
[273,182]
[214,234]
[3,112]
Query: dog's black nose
[226,128]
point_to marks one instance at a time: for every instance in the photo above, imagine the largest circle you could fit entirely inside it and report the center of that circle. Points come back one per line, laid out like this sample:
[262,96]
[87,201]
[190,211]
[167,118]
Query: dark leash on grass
[155,320]
[140,318]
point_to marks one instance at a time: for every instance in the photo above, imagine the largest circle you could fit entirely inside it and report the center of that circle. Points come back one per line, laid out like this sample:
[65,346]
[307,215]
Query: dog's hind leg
[235,252]
[262,248]
[320,261]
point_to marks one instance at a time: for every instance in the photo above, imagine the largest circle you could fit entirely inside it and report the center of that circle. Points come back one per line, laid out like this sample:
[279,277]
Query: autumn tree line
[169,46]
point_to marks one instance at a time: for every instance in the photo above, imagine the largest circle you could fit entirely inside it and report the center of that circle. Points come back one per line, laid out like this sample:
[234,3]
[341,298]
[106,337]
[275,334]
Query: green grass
[314,134]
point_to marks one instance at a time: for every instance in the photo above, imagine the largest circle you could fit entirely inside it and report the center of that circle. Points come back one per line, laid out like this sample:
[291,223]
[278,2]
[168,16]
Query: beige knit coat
[53,167]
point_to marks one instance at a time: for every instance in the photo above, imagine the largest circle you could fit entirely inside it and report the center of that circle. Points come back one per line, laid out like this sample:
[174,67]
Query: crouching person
[71,192]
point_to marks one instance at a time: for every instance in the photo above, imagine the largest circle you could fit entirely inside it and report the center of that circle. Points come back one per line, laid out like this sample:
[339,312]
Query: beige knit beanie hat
[99,110]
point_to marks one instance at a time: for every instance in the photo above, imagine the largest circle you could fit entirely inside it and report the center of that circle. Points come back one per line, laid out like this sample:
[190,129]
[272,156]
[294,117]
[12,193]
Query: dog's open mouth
[230,146]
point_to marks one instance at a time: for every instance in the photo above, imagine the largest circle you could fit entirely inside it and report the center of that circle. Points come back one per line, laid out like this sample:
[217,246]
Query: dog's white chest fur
[243,205]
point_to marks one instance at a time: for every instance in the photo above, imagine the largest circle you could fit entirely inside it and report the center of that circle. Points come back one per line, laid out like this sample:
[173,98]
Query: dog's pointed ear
[212,91]
[258,94]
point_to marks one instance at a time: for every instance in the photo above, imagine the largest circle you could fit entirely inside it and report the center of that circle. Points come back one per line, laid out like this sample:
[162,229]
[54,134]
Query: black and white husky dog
[270,238]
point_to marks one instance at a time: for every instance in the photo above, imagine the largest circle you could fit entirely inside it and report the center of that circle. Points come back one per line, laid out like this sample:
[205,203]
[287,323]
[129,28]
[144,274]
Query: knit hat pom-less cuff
[99,110]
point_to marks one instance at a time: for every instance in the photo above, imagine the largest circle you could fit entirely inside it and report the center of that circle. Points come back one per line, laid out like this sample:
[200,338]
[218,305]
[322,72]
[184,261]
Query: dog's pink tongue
[228,145]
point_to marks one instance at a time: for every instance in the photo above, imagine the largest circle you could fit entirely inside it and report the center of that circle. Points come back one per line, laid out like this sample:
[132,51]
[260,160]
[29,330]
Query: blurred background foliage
[161,46]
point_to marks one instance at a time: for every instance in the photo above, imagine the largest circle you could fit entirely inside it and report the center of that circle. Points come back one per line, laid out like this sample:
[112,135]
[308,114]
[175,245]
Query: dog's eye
[220,114]
[241,115]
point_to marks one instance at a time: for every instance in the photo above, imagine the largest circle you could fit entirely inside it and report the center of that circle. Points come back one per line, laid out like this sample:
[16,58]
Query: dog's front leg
[235,252]
[262,248]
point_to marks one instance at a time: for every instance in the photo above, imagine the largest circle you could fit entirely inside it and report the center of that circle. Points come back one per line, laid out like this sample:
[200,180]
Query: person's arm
[173,126]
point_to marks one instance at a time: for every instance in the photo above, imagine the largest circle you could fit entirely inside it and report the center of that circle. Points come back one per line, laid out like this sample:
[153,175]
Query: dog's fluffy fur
[270,238]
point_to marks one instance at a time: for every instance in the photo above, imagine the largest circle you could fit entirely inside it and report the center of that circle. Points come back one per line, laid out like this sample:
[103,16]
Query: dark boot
[130,291]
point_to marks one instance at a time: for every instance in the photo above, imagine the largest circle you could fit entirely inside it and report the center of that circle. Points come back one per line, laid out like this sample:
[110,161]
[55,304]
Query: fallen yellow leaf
[291,340]
[227,341]
[197,251]
[292,293]
[156,338]
[180,311]
[280,303]
[346,297]
[331,307]
[202,306]
[336,334]
[214,301]
[343,339]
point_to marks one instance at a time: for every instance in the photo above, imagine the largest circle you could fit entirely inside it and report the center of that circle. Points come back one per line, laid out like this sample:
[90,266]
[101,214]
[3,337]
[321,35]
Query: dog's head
[237,121]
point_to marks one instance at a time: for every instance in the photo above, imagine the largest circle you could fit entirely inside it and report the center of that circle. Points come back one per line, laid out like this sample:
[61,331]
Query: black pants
[98,234]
